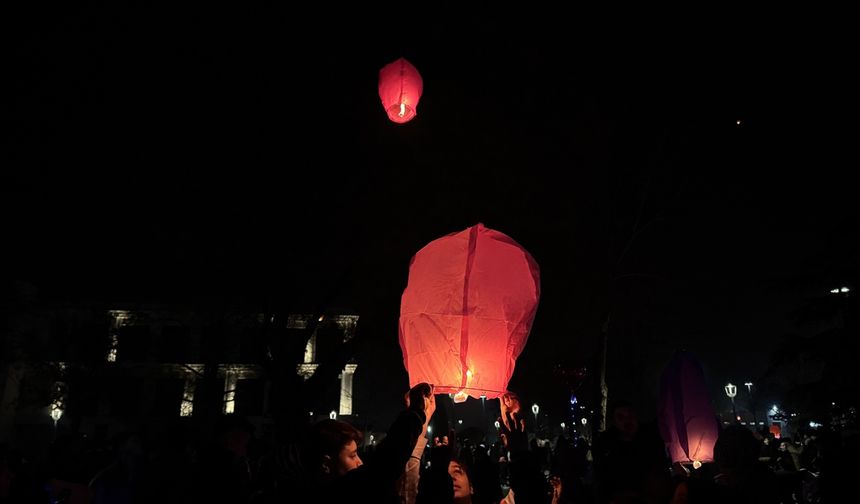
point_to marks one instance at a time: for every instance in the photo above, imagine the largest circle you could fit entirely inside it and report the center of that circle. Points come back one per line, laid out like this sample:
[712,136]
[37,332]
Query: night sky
[241,157]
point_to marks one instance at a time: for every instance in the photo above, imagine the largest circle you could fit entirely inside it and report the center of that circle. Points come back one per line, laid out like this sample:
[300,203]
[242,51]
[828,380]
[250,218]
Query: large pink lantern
[688,424]
[466,313]
[400,88]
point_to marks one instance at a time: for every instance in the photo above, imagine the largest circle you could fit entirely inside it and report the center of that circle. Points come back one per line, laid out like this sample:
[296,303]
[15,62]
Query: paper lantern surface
[400,88]
[688,424]
[466,312]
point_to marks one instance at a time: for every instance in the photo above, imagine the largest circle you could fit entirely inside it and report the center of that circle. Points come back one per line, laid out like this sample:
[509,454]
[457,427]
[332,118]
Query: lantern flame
[402,110]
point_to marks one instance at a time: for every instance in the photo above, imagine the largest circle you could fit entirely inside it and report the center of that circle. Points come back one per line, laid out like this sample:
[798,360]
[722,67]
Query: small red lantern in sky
[466,313]
[400,88]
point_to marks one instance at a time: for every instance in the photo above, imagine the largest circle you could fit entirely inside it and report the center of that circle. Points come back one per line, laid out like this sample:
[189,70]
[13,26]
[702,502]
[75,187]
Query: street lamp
[732,391]
[535,410]
[56,413]
[752,404]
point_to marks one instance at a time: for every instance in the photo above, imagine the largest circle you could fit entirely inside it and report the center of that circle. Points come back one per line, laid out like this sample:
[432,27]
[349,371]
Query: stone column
[346,389]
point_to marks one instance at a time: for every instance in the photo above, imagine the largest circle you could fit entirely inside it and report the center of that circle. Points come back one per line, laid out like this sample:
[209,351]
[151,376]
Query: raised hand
[513,428]
[555,483]
[421,398]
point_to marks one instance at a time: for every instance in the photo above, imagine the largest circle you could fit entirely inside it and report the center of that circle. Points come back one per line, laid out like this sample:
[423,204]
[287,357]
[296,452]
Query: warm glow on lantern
[686,418]
[400,88]
[469,304]
[461,394]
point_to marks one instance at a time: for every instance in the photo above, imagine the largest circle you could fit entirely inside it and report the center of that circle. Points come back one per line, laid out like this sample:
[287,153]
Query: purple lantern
[688,424]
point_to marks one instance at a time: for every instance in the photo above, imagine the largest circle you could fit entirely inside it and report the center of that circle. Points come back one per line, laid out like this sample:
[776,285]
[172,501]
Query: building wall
[102,371]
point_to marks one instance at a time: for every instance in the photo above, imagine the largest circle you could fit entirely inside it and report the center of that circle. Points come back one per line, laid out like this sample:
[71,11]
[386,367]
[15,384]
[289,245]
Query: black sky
[241,154]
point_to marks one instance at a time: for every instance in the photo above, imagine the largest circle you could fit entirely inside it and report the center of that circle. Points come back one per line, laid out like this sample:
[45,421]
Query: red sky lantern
[466,313]
[688,424]
[400,88]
